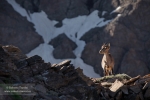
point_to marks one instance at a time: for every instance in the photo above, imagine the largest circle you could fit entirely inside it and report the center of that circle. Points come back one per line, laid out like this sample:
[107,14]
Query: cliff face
[128,32]
[16,30]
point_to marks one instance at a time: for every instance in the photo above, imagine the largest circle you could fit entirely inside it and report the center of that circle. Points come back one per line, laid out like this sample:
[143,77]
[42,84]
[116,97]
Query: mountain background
[123,23]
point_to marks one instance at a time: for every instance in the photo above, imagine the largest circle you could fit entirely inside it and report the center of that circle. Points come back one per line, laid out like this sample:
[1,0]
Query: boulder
[63,47]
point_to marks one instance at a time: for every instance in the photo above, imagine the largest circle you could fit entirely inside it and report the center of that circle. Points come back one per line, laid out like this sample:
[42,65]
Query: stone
[21,63]
[14,51]
[62,52]
[124,89]
[116,86]
[40,88]
[65,63]
[119,96]
[63,43]
[39,68]
[34,59]
[135,88]
[146,95]
[132,80]
[147,85]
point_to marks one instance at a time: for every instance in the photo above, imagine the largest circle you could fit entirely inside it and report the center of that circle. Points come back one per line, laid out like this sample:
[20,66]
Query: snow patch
[104,12]
[116,10]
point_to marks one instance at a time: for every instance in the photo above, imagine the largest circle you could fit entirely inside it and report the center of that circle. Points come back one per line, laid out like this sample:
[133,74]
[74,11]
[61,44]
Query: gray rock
[63,47]
[40,88]
[30,5]
[64,9]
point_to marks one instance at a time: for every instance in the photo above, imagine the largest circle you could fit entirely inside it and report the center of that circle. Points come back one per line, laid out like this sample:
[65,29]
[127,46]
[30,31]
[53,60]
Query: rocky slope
[128,32]
[62,81]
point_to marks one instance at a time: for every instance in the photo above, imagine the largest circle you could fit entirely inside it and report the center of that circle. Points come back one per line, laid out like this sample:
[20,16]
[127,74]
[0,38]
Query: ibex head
[105,48]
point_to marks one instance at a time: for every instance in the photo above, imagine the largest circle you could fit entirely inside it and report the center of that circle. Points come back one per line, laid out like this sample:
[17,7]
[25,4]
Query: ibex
[107,60]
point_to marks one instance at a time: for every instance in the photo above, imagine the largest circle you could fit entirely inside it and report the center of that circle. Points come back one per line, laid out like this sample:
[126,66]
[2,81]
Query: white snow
[104,12]
[73,27]
[116,10]
[118,15]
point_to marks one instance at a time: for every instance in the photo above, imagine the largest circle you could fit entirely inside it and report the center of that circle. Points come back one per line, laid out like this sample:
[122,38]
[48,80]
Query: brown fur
[107,60]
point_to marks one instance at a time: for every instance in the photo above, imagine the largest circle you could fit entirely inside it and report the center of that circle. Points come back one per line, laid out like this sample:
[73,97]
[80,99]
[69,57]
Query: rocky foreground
[63,82]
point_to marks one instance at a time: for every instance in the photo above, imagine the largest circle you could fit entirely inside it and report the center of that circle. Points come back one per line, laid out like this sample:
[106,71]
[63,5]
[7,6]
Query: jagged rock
[39,68]
[147,85]
[63,81]
[146,95]
[124,89]
[15,52]
[16,30]
[132,80]
[40,88]
[62,42]
[135,88]
[21,63]
[119,96]
[34,59]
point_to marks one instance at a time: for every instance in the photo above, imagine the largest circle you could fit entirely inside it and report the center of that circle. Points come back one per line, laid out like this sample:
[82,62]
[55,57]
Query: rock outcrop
[16,30]
[63,47]
[51,82]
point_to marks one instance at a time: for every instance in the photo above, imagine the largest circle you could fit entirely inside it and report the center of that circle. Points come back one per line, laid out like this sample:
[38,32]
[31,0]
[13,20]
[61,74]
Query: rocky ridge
[63,81]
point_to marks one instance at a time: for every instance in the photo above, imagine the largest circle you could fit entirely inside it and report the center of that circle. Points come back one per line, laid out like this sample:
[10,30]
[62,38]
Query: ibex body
[107,60]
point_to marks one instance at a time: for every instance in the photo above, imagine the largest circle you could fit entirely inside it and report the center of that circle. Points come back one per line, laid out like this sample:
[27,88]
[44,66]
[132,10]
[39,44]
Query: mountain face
[129,36]
[128,31]
[16,30]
